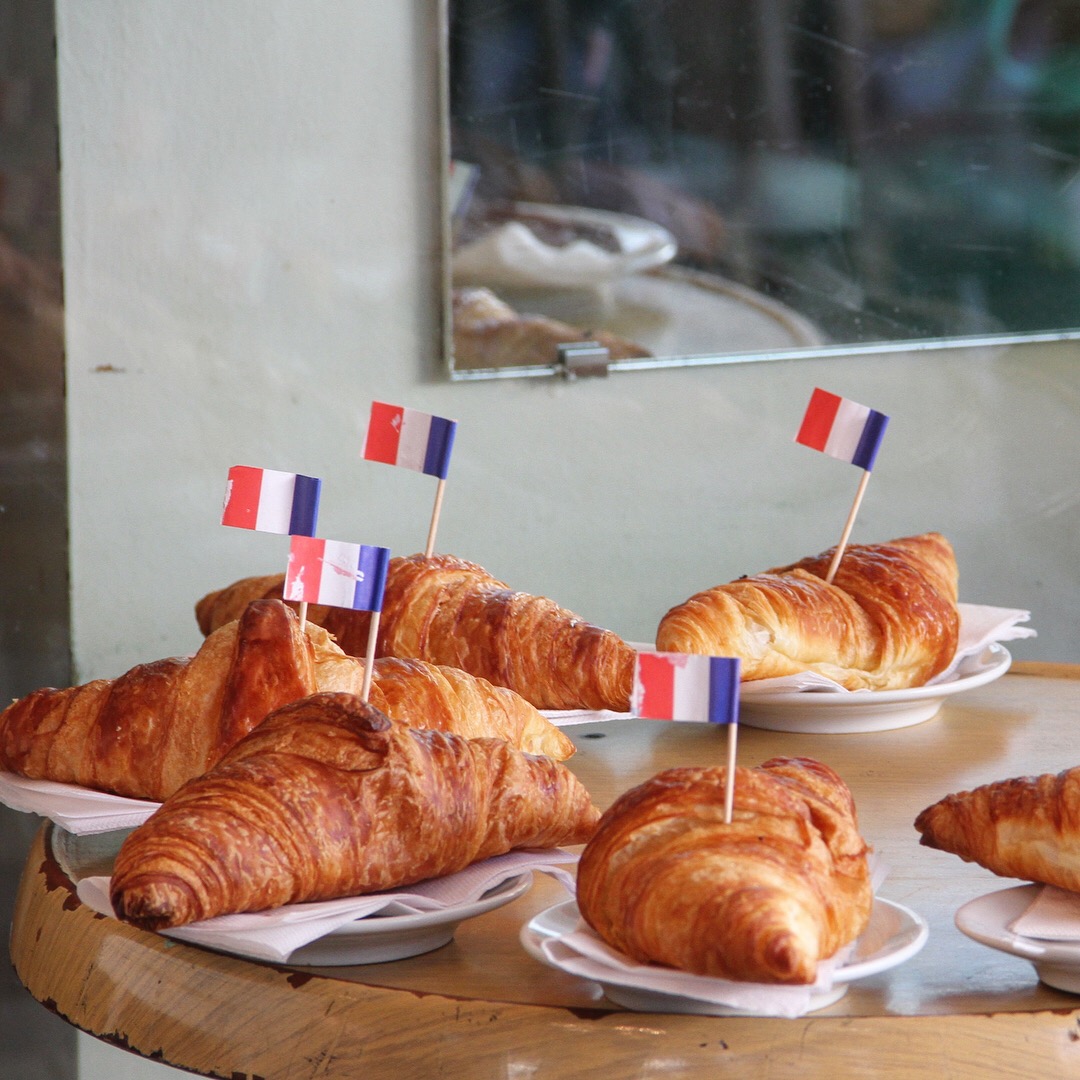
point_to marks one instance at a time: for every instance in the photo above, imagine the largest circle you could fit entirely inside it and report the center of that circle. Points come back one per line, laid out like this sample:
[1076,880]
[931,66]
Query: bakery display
[448,611]
[328,797]
[888,620]
[764,898]
[146,732]
[1025,827]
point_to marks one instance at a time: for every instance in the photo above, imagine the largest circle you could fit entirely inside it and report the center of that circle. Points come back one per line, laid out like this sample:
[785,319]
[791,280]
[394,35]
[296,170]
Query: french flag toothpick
[842,429]
[271,501]
[850,432]
[699,689]
[412,440]
[335,573]
[339,574]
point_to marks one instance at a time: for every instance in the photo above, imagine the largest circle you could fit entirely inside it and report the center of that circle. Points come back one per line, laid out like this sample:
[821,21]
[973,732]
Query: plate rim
[1038,950]
[844,974]
[376,925]
[871,698]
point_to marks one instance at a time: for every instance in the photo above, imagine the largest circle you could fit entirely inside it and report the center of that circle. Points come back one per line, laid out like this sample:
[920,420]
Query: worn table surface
[482,1007]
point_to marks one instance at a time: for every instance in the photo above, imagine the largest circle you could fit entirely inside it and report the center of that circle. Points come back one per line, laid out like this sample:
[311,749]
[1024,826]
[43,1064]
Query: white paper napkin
[583,953]
[1054,915]
[275,935]
[79,810]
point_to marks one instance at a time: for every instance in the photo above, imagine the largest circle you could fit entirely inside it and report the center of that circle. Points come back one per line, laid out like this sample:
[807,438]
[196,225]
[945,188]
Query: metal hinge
[583,359]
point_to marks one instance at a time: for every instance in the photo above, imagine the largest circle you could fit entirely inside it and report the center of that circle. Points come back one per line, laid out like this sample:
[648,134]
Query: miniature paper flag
[271,501]
[678,686]
[842,429]
[336,573]
[411,439]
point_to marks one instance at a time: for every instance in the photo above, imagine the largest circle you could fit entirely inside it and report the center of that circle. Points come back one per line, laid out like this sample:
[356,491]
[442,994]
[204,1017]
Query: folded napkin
[581,952]
[275,935]
[79,810]
[1054,915]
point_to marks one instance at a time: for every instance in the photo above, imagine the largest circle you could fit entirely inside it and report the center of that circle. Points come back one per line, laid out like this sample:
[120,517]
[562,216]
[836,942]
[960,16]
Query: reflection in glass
[858,171]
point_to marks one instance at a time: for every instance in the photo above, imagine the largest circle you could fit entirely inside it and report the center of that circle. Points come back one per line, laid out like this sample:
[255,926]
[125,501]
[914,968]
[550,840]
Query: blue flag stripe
[870,440]
[723,690]
[440,443]
[371,578]
[305,506]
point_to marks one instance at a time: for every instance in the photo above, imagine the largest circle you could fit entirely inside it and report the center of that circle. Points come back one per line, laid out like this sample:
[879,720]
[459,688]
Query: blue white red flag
[336,573]
[678,686]
[842,429]
[270,501]
[411,439]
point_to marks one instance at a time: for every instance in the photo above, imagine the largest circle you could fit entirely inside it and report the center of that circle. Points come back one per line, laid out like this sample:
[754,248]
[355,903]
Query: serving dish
[828,712]
[893,935]
[511,255]
[986,919]
[386,936]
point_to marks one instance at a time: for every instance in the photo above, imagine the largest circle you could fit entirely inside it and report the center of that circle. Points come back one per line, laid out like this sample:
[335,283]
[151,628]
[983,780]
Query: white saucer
[893,935]
[381,938]
[987,918]
[827,712]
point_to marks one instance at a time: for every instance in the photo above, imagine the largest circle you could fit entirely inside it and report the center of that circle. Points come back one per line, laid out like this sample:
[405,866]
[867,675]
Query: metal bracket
[583,359]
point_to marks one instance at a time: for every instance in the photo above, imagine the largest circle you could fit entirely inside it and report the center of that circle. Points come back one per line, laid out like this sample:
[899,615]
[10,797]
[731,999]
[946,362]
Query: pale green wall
[249,208]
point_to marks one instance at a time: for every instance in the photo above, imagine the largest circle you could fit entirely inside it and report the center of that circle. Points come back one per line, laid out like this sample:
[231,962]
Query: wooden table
[481,1007]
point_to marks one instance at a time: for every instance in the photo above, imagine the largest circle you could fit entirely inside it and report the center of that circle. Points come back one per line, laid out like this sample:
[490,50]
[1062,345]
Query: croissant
[763,898]
[328,798]
[448,611]
[1025,828]
[145,733]
[888,620]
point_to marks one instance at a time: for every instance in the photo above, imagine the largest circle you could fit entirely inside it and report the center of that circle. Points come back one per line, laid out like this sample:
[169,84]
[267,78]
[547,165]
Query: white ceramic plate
[826,712]
[893,935]
[987,918]
[381,938]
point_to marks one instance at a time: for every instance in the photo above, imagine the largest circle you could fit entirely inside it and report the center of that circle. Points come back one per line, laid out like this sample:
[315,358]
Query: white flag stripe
[275,501]
[847,429]
[691,696]
[337,583]
[413,441]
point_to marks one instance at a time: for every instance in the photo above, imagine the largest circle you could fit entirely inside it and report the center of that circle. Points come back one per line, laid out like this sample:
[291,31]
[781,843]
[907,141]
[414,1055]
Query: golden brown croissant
[143,734]
[888,620]
[1027,827]
[448,611]
[327,798]
[763,898]
[146,732]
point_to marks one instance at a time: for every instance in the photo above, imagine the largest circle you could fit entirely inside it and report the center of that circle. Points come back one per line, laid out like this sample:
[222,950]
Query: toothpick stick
[839,552]
[369,656]
[435,519]
[303,615]
[729,776]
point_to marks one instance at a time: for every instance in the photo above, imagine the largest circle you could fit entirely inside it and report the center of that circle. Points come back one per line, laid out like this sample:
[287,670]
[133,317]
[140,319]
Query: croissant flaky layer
[888,620]
[764,898]
[1027,827]
[328,798]
[448,611]
[159,724]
